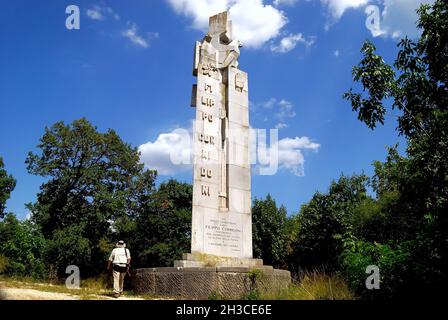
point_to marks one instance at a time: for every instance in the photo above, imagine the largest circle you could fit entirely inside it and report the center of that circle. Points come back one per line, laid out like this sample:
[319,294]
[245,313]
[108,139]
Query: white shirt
[118,256]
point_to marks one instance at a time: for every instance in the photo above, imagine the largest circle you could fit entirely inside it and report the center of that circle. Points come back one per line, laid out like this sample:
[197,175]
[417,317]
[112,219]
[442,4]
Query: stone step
[211,261]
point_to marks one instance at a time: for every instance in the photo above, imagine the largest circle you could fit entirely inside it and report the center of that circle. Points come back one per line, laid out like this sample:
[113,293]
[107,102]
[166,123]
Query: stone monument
[221,258]
[221,221]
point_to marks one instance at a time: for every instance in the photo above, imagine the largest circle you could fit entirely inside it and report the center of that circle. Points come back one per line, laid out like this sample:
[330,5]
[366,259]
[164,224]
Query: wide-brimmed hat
[121,244]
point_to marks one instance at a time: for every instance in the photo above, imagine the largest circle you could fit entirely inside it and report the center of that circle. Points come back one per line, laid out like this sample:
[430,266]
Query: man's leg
[122,281]
[117,282]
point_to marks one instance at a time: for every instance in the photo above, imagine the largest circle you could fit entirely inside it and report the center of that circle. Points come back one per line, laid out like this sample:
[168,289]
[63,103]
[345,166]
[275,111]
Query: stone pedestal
[201,276]
[207,282]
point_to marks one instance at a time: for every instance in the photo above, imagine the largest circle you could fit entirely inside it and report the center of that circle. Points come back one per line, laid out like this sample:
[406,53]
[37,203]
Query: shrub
[392,263]
[23,247]
[69,247]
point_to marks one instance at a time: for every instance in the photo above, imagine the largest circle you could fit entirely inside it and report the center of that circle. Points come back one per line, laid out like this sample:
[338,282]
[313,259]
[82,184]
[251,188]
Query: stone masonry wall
[201,283]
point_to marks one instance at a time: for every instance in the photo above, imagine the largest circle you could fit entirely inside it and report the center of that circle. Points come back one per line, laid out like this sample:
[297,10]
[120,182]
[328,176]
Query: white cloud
[288,43]
[399,18]
[336,53]
[270,103]
[199,10]
[286,110]
[112,13]
[338,7]
[262,24]
[281,125]
[282,109]
[285,2]
[101,13]
[290,154]
[159,154]
[95,14]
[133,35]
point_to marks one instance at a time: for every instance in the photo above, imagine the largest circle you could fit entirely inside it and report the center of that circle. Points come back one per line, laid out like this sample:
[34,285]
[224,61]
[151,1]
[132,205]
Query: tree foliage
[410,213]
[7,185]
[269,234]
[93,180]
[325,221]
[22,248]
[162,229]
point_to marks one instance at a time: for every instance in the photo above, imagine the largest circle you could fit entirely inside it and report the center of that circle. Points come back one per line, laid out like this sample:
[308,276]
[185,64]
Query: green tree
[391,216]
[23,248]
[92,180]
[70,246]
[325,223]
[413,189]
[292,228]
[7,185]
[269,231]
[161,231]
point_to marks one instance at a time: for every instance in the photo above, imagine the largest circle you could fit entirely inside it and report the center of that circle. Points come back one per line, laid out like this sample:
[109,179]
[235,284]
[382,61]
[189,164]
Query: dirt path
[31,294]
[11,293]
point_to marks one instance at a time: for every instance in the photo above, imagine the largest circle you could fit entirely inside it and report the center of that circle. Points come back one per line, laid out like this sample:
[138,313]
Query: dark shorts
[120,269]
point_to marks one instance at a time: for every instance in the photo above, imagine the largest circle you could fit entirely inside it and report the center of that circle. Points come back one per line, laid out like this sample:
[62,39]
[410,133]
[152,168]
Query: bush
[392,264]
[69,247]
[23,247]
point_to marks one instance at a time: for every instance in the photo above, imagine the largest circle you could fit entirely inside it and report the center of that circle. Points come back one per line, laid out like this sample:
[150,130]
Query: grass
[314,286]
[3,263]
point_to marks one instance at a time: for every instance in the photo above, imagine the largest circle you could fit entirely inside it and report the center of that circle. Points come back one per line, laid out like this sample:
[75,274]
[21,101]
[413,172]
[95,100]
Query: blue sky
[128,67]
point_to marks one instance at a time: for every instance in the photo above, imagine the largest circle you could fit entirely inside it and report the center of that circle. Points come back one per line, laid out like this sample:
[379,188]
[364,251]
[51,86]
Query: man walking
[120,258]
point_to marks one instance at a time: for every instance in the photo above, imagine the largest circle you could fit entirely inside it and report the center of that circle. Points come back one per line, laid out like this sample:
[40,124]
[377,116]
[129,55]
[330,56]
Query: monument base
[208,282]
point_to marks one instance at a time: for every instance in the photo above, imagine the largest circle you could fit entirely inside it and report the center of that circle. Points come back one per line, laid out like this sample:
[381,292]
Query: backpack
[121,269]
